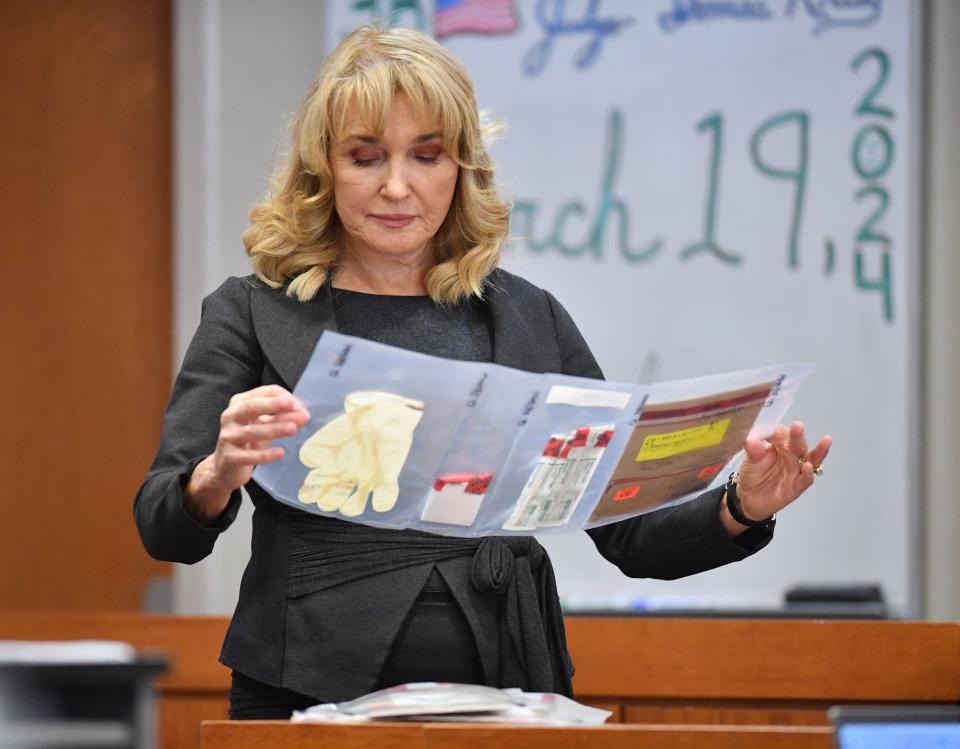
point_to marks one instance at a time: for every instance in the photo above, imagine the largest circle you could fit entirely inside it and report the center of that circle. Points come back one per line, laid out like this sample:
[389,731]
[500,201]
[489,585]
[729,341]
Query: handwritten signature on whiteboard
[555,22]
[826,14]
[834,14]
[683,12]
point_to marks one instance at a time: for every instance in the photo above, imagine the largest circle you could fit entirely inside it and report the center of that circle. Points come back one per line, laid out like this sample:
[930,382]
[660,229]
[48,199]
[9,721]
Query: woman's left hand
[775,472]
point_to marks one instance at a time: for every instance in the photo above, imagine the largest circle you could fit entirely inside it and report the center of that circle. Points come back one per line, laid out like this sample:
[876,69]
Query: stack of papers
[460,703]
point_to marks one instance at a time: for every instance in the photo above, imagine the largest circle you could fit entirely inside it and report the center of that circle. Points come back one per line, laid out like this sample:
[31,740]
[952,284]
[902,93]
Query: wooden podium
[284,735]
[675,680]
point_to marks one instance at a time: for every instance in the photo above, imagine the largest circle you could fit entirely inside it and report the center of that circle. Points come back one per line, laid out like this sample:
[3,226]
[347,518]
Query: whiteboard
[714,185]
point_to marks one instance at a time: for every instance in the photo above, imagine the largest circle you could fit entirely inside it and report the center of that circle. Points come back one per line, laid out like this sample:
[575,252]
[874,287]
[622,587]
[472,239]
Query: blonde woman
[384,222]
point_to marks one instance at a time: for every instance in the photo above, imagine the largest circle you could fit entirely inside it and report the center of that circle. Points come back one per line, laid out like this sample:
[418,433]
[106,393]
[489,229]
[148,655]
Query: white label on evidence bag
[586,398]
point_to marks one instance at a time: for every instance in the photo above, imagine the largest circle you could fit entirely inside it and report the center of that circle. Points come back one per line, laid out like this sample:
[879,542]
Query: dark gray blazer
[251,335]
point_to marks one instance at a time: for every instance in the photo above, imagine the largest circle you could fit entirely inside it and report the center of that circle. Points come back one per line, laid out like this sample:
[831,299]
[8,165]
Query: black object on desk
[864,600]
[78,704]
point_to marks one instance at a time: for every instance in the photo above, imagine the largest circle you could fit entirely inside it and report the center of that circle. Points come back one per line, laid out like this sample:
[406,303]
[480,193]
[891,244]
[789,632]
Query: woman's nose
[396,184]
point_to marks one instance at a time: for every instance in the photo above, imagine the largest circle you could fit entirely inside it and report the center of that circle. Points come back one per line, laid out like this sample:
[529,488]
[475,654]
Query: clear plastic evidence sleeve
[399,439]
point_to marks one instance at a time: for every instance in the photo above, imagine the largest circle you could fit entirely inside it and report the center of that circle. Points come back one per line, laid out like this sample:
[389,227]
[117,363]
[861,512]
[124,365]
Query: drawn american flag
[474,16]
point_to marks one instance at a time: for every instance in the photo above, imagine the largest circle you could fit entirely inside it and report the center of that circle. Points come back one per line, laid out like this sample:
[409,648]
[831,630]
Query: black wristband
[735,508]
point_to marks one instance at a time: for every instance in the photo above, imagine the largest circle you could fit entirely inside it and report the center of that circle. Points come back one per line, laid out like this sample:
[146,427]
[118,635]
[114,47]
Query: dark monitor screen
[896,727]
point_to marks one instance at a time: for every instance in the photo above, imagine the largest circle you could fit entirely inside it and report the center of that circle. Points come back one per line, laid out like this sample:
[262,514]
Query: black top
[416,323]
[296,625]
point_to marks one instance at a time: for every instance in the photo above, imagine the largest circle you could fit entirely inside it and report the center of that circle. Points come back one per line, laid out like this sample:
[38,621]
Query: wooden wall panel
[85,211]
[191,644]
[179,717]
[730,658]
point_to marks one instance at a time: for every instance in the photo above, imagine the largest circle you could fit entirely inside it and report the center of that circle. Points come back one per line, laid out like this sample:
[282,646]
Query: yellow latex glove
[359,452]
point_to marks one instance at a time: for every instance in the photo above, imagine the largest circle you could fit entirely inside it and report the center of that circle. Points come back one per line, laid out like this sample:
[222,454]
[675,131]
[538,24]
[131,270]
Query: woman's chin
[399,245]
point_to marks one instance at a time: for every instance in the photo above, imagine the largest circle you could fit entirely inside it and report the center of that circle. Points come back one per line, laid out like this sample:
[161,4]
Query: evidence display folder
[399,439]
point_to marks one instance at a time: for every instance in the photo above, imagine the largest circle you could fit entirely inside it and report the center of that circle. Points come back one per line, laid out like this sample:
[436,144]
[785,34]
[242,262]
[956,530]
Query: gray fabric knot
[495,561]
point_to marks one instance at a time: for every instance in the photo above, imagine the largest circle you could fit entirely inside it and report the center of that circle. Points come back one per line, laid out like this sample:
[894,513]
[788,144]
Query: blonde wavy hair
[294,236]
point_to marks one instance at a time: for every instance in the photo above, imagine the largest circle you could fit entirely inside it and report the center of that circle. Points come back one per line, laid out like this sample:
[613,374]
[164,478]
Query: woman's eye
[427,157]
[365,157]
[368,159]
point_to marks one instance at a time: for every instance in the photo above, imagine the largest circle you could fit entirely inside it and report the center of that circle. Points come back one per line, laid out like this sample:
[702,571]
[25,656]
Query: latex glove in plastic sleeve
[359,453]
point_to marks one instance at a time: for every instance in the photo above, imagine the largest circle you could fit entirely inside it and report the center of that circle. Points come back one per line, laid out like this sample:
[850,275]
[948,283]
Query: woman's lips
[393,220]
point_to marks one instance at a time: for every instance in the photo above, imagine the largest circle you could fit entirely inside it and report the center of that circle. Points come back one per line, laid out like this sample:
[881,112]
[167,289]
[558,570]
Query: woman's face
[391,193]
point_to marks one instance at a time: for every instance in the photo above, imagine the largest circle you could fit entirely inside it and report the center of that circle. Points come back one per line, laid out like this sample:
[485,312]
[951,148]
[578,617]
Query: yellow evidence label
[658,446]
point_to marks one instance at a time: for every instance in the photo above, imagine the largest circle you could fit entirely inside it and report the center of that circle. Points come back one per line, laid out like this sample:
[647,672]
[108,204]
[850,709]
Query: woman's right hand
[248,425]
